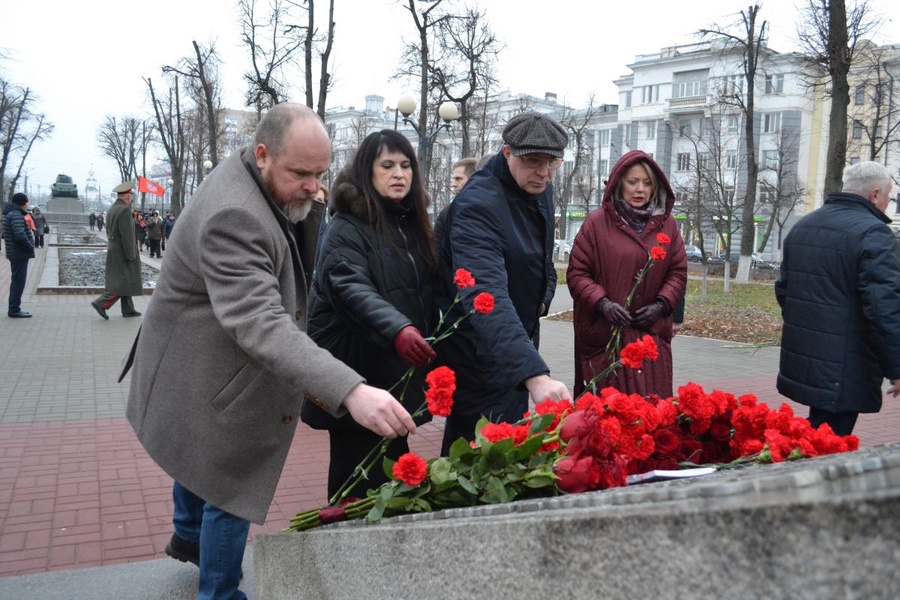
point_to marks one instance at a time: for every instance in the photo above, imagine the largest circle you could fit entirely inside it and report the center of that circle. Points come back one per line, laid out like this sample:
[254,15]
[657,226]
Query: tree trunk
[838,38]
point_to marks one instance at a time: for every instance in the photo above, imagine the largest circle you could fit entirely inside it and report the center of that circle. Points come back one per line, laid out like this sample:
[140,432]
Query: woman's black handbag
[46,229]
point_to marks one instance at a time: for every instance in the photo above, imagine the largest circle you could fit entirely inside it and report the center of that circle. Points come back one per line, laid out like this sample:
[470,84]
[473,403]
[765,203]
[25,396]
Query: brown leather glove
[614,313]
[645,317]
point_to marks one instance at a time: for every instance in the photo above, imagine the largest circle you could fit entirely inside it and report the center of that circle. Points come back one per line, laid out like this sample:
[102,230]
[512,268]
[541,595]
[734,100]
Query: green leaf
[387,465]
[540,481]
[377,512]
[541,423]
[495,492]
[459,449]
[467,485]
[498,455]
[529,448]
[440,470]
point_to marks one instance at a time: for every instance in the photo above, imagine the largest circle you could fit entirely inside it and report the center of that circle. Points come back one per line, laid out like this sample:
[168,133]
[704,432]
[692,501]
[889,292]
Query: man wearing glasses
[501,228]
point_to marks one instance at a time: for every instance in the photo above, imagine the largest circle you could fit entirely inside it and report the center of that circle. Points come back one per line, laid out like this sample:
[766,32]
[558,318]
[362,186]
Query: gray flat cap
[532,133]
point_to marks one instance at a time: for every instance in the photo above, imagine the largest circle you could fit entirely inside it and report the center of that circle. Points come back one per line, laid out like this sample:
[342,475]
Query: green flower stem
[360,472]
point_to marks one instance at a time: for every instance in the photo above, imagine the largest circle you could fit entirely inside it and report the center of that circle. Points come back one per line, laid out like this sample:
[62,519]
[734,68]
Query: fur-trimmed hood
[348,199]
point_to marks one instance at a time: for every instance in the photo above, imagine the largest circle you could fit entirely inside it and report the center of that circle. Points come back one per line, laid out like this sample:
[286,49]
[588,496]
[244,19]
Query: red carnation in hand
[632,355]
[411,469]
[483,303]
[463,279]
[662,239]
[657,253]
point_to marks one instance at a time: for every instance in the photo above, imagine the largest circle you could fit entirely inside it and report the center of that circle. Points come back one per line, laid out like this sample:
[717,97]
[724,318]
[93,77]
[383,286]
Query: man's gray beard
[297,211]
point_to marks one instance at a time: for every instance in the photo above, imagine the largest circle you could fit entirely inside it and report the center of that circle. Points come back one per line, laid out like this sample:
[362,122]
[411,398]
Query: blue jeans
[222,537]
[19,274]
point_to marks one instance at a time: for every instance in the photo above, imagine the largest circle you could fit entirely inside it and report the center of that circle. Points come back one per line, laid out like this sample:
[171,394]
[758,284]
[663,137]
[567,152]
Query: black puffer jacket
[17,235]
[364,292]
[839,293]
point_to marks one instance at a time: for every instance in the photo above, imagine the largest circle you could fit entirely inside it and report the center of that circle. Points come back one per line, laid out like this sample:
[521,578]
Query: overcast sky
[86,60]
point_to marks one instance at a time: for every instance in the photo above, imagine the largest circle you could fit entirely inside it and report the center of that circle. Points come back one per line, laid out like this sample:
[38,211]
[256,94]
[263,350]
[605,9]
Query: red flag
[151,187]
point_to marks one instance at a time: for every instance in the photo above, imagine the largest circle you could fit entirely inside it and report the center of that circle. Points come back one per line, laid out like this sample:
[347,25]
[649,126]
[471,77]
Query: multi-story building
[684,105]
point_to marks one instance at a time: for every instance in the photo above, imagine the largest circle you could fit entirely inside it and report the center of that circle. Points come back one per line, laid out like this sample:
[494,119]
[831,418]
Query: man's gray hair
[863,177]
[275,124]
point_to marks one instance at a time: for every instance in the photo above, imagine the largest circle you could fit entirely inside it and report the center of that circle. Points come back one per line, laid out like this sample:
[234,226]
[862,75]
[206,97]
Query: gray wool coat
[222,361]
[123,261]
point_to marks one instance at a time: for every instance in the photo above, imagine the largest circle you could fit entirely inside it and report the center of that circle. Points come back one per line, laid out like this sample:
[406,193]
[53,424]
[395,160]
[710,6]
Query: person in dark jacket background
[839,292]
[19,241]
[500,228]
[370,301]
[40,226]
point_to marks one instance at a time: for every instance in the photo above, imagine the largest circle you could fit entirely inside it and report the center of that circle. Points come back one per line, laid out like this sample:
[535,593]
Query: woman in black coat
[370,302]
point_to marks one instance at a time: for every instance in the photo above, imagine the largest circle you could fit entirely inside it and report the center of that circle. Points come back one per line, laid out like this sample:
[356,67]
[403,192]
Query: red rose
[657,253]
[411,469]
[662,239]
[720,430]
[463,279]
[667,440]
[483,303]
[576,475]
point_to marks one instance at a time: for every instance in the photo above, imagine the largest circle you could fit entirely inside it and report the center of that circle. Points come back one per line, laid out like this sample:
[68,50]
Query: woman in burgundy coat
[612,247]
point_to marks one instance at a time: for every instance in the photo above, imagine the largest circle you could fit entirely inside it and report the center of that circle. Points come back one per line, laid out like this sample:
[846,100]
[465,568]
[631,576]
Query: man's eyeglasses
[536,162]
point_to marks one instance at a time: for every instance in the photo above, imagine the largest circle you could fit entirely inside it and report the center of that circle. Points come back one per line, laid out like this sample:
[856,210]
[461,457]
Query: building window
[732,123]
[684,161]
[628,131]
[772,122]
[854,160]
[731,159]
[859,94]
[627,101]
[650,94]
[604,167]
[775,84]
[650,130]
[770,157]
[733,84]
[685,129]
[604,137]
[857,130]
[688,84]
[703,162]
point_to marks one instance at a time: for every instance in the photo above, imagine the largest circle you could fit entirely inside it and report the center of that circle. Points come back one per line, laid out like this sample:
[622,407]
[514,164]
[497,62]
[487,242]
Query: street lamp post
[446,111]
[171,182]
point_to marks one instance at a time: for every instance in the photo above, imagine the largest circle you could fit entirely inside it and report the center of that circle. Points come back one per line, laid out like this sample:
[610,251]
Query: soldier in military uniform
[123,262]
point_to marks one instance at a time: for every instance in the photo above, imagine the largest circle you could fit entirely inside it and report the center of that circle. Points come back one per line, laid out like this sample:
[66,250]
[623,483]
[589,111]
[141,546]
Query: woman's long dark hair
[416,200]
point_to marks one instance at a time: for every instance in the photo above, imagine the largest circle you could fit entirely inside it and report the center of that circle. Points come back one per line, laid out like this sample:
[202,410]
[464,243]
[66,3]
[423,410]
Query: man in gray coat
[223,362]
[123,261]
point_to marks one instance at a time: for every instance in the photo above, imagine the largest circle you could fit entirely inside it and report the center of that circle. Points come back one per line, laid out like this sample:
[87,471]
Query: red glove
[412,347]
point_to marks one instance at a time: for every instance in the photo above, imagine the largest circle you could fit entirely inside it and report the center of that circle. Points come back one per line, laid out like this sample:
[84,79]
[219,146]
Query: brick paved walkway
[77,489]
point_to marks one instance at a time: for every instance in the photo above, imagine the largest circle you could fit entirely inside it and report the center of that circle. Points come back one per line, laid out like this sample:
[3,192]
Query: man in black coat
[19,250]
[500,228]
[839,293]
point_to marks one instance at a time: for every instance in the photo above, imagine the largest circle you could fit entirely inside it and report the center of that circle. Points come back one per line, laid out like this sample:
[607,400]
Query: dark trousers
[19,272]
[107,300]
[348,449]
[841,423]
[155,247]
[38,240]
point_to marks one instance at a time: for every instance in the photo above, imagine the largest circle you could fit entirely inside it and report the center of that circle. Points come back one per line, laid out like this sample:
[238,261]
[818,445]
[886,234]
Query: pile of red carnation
[610,436]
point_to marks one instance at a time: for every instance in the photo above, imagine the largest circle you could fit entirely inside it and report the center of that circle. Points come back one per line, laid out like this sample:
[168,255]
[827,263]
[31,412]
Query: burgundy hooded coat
[607,255]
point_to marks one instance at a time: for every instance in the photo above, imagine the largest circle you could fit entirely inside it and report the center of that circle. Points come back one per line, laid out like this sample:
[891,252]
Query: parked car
[566,245]
[693,253]
[758,262]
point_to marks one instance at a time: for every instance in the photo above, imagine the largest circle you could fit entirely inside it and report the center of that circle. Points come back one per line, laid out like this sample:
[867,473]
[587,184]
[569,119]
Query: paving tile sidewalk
[78,491]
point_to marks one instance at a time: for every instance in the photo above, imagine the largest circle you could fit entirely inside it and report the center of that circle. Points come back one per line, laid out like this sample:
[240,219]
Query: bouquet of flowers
[591,445]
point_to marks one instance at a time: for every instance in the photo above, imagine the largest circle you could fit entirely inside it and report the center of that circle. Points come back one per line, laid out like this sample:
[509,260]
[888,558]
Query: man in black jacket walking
[839,293]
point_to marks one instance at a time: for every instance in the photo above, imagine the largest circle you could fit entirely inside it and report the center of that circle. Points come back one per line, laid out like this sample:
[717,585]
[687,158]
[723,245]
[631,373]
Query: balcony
[690,104]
